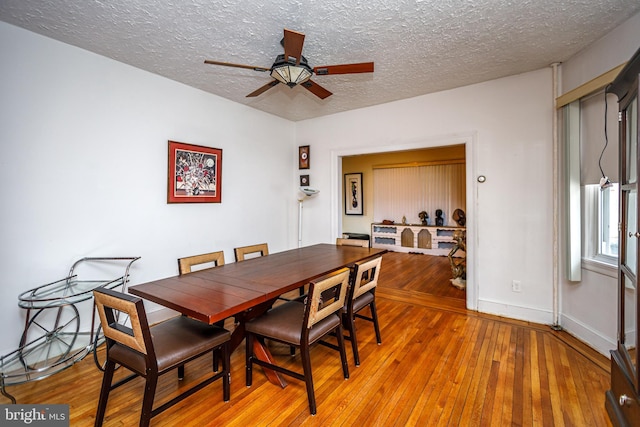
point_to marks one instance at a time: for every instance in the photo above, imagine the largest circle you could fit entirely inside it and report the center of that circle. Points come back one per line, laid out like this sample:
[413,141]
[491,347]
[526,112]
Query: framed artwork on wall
[195,174]
[304,181]
[303,157]
[353,203]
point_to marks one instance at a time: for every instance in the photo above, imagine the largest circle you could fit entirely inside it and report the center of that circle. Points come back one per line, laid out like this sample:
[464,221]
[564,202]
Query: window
[600,225]
[592,212]
[608,223]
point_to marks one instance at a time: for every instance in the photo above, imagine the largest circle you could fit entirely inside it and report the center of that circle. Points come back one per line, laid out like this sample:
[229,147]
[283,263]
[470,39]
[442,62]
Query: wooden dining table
[249,288]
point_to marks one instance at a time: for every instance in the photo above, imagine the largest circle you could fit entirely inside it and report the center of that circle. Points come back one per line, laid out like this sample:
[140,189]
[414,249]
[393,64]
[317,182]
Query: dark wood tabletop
[217,293]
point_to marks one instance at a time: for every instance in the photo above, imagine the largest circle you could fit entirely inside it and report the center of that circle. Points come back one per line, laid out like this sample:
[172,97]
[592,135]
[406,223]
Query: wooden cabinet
[623,399]
[425,239]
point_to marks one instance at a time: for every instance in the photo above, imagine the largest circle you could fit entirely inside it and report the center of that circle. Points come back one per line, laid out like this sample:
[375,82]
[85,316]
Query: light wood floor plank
[552,376]
[432,400]
[450,392]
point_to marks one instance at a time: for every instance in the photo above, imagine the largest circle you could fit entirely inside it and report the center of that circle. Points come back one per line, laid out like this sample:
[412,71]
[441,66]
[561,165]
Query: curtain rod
[416,164]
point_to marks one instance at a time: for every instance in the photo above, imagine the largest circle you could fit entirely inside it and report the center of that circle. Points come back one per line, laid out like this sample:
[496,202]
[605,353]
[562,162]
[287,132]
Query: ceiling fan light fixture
[292,68]
[287,72]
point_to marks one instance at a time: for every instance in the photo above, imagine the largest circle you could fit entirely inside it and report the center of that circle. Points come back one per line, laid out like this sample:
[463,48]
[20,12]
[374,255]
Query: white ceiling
[418,46]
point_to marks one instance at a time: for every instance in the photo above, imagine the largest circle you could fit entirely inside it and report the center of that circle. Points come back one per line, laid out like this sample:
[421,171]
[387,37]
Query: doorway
[469,143]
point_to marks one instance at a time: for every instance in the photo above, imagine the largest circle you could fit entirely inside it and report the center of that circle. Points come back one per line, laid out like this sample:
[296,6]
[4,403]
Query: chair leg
[147,401]
[180,372]
[215,361]
[226,369]
[308,377]
[107,377]
[248,358]
[343,353]
[220,324]
[374,316]
[351,328]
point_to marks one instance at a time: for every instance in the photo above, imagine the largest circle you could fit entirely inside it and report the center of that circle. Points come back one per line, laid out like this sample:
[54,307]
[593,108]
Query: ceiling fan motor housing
[288,72]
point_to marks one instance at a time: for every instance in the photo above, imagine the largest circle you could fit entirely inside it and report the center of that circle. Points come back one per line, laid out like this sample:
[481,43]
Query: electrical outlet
[516,286]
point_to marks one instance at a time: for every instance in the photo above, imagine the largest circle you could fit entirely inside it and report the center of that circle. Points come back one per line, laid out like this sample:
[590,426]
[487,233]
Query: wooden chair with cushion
[241,252]
[302,325]
[152,351]
[362,294]
[185,264]
[352,242]
[215,259]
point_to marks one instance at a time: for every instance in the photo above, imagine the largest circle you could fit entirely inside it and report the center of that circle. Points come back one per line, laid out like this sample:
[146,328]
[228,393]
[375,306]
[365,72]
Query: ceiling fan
[292,69]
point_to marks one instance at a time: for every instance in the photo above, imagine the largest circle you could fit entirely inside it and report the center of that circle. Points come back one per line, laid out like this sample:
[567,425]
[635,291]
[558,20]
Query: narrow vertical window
[608,223]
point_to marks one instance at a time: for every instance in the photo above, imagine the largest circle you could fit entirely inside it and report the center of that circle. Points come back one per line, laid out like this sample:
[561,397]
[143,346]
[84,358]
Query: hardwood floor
[438,364]
[419,273]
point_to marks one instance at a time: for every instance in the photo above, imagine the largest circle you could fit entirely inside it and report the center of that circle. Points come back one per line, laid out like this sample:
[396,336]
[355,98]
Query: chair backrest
[334,285]
[114,308]
[352,242]
[185,264]
[243,251]
[365,276]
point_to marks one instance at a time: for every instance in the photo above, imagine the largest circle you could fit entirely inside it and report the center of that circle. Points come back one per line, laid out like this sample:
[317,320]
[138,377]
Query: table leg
[259,349]
[262,353]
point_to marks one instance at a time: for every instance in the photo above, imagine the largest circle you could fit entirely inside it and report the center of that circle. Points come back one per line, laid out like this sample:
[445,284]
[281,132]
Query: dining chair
[149,352]
[362,294]
[301,325]
[241,252]
[352,242]
[215,258]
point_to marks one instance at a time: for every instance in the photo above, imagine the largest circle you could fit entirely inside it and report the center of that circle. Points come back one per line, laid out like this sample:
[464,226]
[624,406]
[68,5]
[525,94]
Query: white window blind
[406,191]
[592,139]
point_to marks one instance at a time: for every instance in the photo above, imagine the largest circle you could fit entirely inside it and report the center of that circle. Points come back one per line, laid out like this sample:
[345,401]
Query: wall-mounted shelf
[425,239]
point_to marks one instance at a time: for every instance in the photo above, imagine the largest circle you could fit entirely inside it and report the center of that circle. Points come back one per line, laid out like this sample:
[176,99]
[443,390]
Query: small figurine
[404,220]
[424,217]
[439,219]
[459,217]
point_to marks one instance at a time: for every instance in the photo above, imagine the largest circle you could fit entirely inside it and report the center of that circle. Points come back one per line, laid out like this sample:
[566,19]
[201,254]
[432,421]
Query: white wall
[84,169]
[509,123]
[589,307]
[613,49]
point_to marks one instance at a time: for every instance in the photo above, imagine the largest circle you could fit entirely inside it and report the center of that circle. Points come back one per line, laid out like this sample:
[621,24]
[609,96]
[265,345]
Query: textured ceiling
[418,46]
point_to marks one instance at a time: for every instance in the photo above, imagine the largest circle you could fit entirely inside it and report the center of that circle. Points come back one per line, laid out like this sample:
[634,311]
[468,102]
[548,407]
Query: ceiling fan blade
[363,67]
[262,89]
[293,42]
[230,64]
[316,89]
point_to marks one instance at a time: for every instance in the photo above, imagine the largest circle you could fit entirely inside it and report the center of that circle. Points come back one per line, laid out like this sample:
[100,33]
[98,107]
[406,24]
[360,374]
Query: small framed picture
[195,174]
[304,181]
[353,203]
[303,157]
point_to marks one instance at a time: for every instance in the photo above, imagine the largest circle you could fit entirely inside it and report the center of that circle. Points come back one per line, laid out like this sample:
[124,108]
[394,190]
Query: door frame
[471,154]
